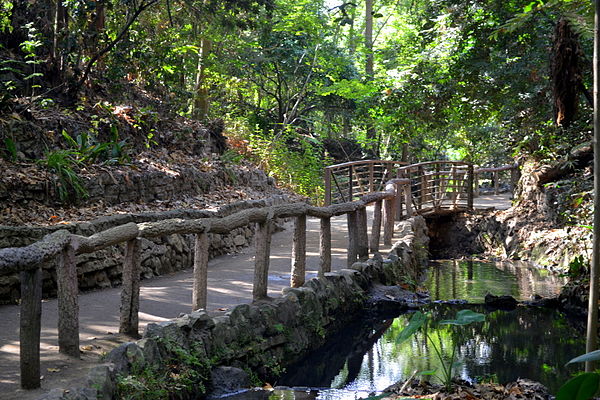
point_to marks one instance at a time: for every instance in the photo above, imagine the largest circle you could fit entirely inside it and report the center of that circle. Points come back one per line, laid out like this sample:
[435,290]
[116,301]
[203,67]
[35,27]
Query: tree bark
[592,321]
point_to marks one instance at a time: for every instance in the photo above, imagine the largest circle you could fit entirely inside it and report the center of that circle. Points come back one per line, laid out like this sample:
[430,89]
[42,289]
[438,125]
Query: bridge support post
[363,236]
[199,287]
[376,228]
[130,293]
[299,252]
[325,247]
[475,184]
[388,228]
[30,327]
[68,303]
[352,238]
[261,260]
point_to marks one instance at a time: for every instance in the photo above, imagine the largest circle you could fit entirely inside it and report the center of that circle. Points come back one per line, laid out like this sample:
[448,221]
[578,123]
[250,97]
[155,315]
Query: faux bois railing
[64,247]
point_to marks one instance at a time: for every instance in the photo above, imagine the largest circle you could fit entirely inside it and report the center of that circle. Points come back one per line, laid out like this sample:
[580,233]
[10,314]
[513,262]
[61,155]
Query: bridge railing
[496,178]
[64,247]
[435,185]
[350,180]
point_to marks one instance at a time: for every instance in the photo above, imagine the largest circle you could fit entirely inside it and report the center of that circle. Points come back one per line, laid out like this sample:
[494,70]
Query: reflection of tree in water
[527,343]
[471,280]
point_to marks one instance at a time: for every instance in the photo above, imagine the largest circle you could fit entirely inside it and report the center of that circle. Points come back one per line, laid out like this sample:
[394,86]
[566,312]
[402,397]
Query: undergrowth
[180,375]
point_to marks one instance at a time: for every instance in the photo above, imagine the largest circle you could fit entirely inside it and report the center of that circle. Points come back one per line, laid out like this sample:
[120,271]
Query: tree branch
[112,44]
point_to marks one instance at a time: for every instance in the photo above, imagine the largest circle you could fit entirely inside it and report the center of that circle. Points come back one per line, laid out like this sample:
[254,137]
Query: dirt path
[162,298]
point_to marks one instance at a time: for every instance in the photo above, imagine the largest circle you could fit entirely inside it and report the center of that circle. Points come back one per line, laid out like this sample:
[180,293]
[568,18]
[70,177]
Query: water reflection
[364,359]
[472,280]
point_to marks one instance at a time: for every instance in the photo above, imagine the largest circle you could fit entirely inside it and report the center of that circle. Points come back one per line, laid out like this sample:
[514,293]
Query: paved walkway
[162,298]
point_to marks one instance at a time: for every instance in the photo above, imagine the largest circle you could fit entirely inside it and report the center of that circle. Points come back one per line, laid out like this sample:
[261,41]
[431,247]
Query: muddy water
[364,359]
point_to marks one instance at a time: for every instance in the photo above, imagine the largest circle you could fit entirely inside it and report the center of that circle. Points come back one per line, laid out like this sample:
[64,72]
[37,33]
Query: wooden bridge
[432,187]
[395,190]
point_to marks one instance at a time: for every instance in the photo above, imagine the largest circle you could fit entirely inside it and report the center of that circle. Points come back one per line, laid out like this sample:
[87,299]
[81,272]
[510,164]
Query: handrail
[348,180]
[64,246]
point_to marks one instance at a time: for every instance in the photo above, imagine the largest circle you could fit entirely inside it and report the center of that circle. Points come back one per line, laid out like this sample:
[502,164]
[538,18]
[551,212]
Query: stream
[528,342]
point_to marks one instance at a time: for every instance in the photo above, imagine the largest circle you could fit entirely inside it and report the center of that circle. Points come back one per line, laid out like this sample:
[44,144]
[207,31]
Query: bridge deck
[162,298]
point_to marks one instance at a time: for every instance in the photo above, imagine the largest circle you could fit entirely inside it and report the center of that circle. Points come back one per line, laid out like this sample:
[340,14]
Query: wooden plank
[68,303]
[261,260]
[200,285]
[30,327]
[130,292]
[325,246]
[298,275]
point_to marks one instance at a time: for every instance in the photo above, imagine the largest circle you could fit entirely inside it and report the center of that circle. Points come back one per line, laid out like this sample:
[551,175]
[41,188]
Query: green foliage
[293,159]
[419,320]
[583,386]
[68,185]
[9,151]
[180,375]
[86,149]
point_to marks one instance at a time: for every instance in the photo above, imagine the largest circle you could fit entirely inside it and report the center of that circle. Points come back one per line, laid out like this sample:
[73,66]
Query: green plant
[182,372]
[584,386]
[10,150]
[463,317]
[61,162]
[578,266]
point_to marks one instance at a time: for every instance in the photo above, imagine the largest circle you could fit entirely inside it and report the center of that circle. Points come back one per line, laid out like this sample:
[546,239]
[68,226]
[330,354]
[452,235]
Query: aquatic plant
[463,317]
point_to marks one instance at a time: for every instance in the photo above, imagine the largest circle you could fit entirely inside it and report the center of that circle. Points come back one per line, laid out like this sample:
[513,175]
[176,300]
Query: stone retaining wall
[103,268]
[263,336]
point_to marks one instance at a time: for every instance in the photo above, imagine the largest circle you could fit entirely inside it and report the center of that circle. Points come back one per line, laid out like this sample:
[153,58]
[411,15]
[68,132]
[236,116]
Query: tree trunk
[200,107]
[369,70]
[592,322]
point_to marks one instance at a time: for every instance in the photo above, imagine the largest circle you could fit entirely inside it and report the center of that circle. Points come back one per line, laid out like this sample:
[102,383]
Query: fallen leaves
[522,389]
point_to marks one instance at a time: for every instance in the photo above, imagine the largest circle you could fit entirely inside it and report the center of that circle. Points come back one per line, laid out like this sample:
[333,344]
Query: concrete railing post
[130,292]
[299,252]
[496,183]
[376,228]
[261,260]
[408,200]
[68,303]
[325,246]
[388,227]
[30,327]
[199,287]
[327,186]
[352,238]
[363,237]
